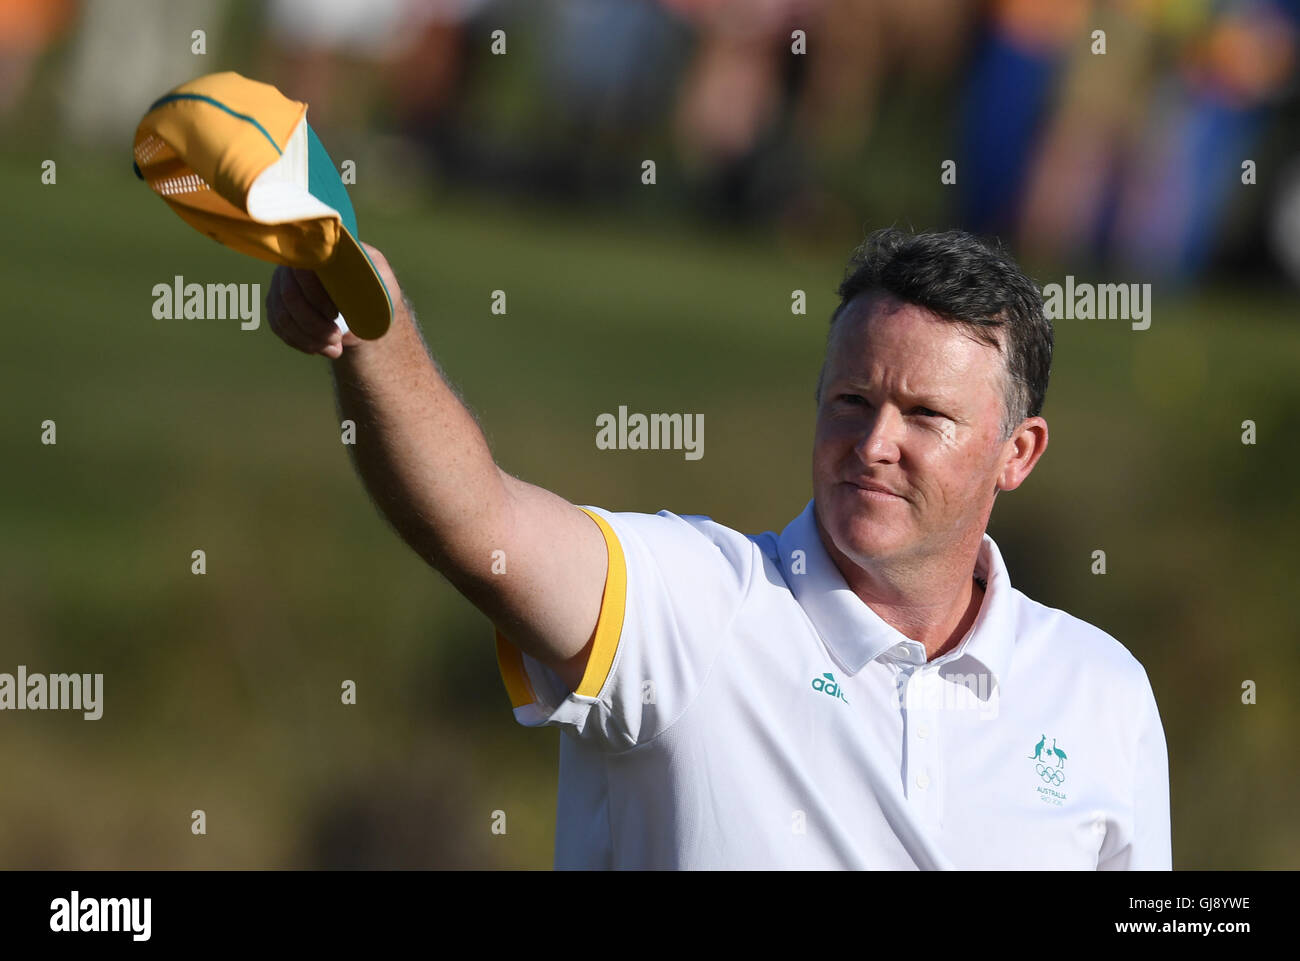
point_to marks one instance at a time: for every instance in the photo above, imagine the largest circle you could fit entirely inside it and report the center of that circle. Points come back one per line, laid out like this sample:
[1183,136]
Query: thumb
[349,339]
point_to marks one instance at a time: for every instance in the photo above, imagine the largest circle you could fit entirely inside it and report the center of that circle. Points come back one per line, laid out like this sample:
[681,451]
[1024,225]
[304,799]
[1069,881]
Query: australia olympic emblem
[1049,764]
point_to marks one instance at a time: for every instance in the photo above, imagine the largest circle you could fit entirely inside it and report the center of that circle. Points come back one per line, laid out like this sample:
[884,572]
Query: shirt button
[923,780]
[923,731]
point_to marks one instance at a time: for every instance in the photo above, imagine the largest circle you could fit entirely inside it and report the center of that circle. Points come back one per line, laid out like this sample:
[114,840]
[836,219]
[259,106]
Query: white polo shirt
[742,708]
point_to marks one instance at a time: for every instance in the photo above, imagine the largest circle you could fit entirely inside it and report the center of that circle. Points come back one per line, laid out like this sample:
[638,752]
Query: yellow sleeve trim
[511,664]
[609,627]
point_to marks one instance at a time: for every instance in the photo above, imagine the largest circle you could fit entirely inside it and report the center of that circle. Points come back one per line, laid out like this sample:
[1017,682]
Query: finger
[315,293]
[334,344]
[313,321]
[299,325]
[346,337]
[281,320]
[289,335]
[321,334]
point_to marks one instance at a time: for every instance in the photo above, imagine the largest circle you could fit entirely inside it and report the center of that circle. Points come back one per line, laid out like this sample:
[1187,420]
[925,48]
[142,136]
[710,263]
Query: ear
[1025,446]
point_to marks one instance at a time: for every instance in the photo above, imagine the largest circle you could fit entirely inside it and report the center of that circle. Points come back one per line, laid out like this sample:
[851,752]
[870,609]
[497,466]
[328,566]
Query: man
[865,689]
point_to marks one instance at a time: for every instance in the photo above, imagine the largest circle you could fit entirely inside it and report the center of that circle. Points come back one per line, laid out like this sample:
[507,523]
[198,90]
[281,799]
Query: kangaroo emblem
[1060,755]
[1052,775]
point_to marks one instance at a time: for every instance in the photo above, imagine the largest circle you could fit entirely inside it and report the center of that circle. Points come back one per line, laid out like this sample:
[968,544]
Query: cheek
[956,473]
[946,436]
[942,462]
[823,467]
[828,447]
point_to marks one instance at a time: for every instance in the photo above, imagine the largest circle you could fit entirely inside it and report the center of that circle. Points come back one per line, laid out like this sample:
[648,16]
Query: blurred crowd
[1108,131]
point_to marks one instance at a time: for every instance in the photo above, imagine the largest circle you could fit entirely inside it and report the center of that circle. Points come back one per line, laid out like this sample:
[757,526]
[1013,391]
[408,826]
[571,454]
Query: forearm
[419,451]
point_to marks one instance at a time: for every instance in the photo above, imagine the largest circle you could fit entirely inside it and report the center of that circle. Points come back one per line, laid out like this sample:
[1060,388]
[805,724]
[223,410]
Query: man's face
[911,403]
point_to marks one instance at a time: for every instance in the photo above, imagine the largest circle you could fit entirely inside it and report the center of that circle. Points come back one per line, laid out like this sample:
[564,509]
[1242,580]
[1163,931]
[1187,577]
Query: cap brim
[356,288]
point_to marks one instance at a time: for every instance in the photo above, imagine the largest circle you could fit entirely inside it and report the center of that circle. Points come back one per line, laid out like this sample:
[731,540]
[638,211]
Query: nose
[882,432]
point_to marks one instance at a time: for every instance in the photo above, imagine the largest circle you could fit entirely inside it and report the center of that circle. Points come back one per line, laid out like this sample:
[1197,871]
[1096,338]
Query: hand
[302,315]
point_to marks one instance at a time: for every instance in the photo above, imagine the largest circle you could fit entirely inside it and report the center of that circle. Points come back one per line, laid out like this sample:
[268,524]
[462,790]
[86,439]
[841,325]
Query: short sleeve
[672,588]
[1149,845]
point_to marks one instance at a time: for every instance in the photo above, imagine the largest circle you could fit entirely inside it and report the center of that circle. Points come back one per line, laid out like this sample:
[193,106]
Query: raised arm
[427,465]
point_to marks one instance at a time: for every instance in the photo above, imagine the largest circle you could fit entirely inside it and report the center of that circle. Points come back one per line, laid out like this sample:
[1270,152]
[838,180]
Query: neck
[933,602]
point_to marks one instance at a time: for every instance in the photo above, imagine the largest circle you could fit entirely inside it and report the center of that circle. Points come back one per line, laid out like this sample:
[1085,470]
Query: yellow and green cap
[237,160]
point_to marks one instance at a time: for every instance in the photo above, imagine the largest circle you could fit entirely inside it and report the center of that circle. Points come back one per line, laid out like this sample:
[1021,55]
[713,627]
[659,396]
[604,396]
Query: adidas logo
[826,684]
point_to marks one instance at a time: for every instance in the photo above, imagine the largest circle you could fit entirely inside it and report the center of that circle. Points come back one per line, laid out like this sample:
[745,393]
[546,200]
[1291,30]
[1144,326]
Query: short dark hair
[969,281]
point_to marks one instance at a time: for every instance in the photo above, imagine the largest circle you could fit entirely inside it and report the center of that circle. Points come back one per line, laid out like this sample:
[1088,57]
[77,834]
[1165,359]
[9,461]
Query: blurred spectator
[1205,119]
[121,64]
[27,27]
[1017,58]
[1133,155]
[314,40]
[425,75]
[330,50]
[609,70]
[1070,192]
[859,53]
[1145,142]
[734,92]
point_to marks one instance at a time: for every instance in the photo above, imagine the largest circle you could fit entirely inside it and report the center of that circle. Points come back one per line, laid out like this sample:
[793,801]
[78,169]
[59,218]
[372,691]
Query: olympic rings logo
[1050,774]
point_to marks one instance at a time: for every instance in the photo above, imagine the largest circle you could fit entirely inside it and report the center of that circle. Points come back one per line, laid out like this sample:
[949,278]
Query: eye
[926,412]
[853,398]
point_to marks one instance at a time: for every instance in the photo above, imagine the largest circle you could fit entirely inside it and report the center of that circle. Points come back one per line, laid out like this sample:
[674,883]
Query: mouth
[875,492]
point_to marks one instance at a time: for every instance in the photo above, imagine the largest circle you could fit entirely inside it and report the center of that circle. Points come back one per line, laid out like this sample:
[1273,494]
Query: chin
[860,535]
[862,540]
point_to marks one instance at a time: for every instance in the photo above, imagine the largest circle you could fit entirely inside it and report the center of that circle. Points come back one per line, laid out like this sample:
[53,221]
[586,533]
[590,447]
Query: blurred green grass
[222,691]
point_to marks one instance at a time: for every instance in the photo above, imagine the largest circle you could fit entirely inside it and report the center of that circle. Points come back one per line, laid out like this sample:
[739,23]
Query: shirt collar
[856,635]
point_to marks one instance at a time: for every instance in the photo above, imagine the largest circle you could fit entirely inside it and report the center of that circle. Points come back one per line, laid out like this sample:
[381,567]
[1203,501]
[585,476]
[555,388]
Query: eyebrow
[918,398]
